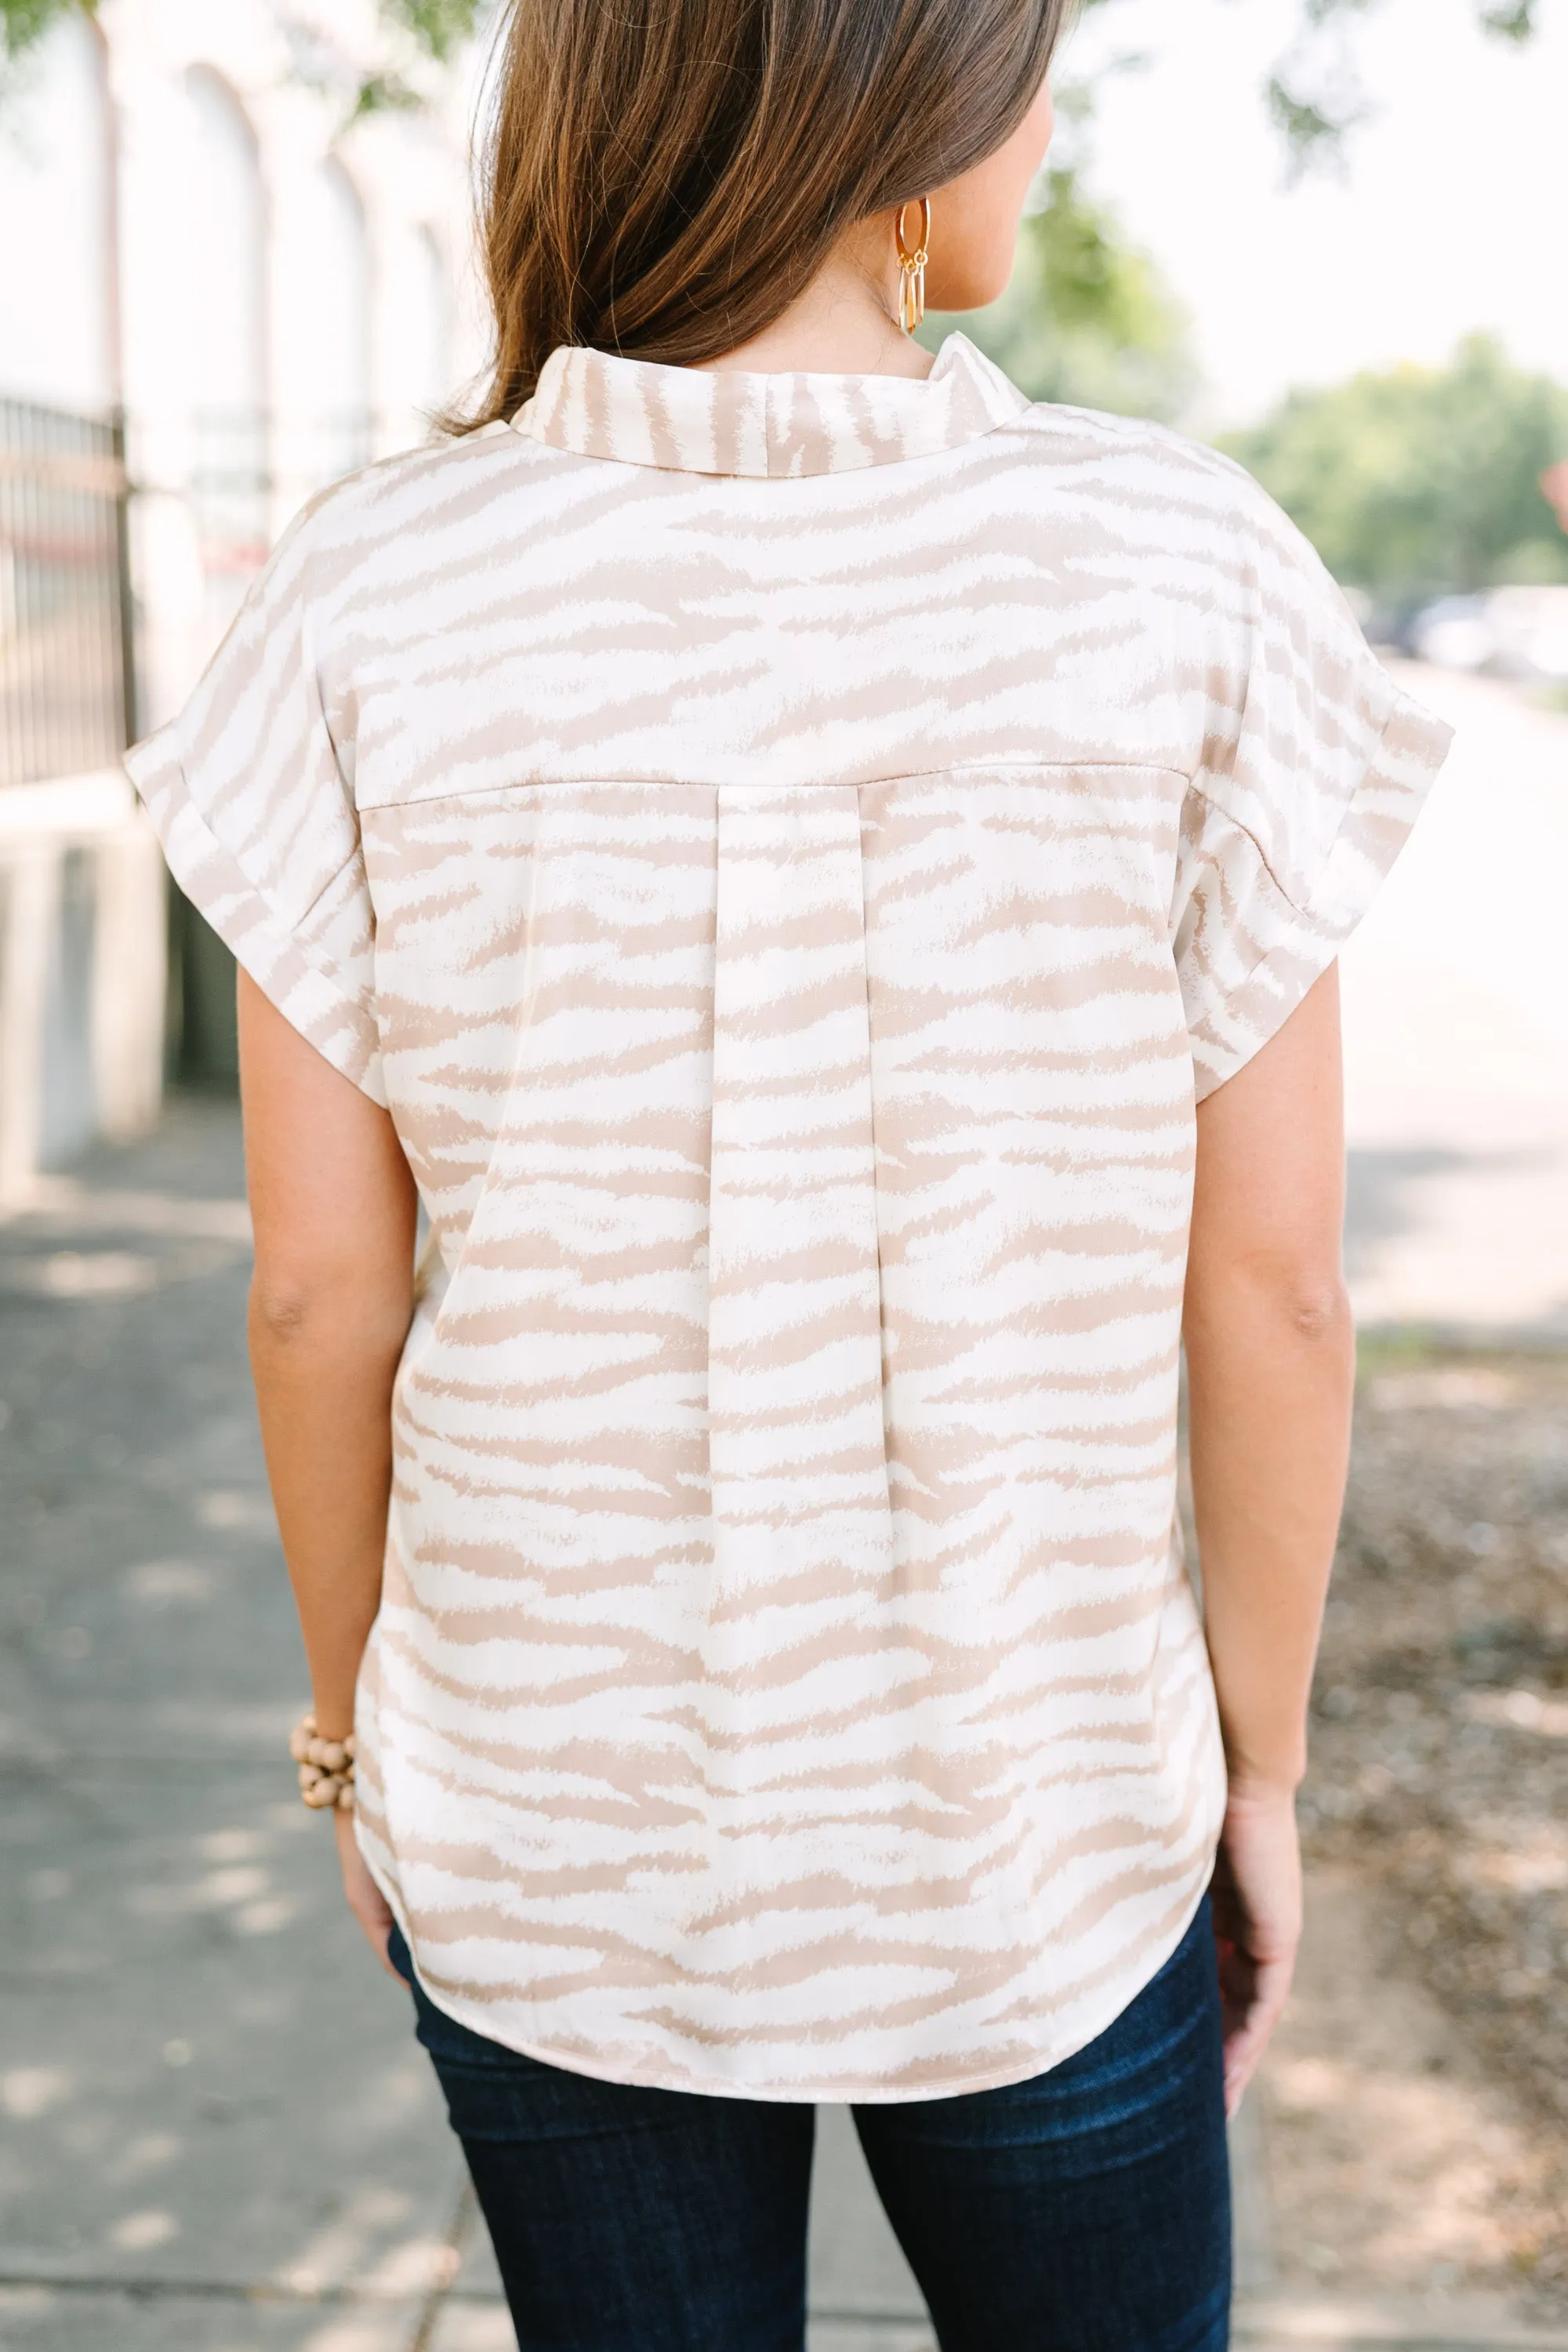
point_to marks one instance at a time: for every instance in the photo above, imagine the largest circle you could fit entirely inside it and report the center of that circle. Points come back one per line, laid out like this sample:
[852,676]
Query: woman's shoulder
[1181,512]
[1063,430]
[1143,467]
[407,494]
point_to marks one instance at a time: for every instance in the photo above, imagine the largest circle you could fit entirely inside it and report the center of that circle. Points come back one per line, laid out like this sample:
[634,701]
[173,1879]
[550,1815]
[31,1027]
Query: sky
[1452,214]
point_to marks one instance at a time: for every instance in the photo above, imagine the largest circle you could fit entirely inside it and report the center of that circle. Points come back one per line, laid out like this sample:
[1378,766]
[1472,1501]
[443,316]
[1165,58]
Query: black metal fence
[68,667]
[250,470]
[66,677]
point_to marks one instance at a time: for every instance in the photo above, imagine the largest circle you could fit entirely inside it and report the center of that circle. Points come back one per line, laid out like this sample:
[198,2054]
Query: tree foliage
[1422,479]
[1086,318]
[440,27]
[433,31]
[1315,96]
[24,23]
[436,29]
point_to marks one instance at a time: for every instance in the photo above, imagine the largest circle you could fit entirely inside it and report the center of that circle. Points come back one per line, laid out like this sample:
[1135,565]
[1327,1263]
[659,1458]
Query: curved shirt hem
[874,2091]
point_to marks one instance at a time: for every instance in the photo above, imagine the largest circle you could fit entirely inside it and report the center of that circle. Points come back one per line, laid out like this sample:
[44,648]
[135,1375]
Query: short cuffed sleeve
[258,825]
[1315,769]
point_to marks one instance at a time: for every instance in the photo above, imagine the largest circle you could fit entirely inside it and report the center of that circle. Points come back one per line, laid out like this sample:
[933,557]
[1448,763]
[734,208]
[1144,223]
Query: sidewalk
[217,2133]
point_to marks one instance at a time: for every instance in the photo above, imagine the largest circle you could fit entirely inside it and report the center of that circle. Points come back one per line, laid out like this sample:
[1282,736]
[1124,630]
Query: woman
[824,879]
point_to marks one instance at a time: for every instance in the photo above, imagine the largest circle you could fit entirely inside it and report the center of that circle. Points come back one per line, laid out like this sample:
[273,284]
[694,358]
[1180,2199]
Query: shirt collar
[698,421]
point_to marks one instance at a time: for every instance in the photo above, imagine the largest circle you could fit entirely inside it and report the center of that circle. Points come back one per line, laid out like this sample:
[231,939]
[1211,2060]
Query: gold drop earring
[913,266]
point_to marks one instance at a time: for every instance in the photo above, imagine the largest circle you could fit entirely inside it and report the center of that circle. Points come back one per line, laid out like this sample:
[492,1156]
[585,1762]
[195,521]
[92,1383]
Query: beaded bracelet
[326,1766]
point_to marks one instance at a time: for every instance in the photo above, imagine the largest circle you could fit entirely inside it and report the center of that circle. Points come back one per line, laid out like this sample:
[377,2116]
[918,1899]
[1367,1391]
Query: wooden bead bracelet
[326,1766]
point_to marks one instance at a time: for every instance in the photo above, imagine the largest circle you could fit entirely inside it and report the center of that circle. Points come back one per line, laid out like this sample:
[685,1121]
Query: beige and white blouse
[789,852]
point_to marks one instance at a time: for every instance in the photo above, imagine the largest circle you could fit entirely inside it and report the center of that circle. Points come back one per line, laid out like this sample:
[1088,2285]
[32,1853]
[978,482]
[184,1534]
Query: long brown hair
[663,177]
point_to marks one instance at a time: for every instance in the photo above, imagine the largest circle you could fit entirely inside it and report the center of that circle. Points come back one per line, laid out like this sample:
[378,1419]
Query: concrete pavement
[216,2134]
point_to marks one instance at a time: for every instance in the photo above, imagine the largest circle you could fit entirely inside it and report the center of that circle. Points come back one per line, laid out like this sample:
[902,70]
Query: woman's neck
[845,323]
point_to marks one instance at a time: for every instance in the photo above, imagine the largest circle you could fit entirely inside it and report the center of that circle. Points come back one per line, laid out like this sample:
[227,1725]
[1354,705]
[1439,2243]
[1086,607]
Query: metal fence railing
[248,471]
[66,677]
[212,487]
[236,476]
[67,672]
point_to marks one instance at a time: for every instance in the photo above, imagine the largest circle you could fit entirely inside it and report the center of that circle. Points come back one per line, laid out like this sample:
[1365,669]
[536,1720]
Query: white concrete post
[122,1055]
[30,880]
[128,980]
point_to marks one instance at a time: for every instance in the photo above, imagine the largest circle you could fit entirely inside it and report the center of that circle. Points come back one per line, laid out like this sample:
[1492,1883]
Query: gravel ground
[1439,1778]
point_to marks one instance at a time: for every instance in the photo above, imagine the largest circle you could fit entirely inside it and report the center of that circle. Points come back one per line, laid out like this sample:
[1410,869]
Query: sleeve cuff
[315,969]
[1256,953]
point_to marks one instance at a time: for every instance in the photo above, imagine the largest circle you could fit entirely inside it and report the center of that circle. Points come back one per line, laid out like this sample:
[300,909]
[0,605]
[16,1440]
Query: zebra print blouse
[789,852]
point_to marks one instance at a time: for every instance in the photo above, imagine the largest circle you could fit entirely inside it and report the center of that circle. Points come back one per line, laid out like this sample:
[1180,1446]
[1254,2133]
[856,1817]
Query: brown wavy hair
[663,177]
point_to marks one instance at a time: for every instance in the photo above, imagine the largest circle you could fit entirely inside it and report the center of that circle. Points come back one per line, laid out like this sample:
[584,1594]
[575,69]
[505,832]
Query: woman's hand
[365,1899]
[1257,1923]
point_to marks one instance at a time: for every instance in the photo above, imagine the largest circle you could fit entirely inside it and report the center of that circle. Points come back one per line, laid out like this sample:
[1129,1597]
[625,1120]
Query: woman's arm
[1270,1378]
[333,1207]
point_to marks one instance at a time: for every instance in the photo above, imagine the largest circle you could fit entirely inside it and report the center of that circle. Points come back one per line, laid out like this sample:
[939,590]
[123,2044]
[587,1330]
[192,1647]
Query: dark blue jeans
[1086,2211]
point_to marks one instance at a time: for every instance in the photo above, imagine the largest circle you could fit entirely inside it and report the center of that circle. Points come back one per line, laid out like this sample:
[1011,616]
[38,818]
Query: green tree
[1086,318]
[1422,479]
[440,27]
[24,23]
[1314,94]
[437,29]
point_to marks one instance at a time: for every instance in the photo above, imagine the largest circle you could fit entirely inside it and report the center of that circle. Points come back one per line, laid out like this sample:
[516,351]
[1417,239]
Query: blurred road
[215,2132]
[1457,1038]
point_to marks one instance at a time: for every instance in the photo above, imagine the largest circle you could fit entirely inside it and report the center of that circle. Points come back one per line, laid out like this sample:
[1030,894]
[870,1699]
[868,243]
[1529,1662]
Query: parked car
[1454,633]
[1513,632]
